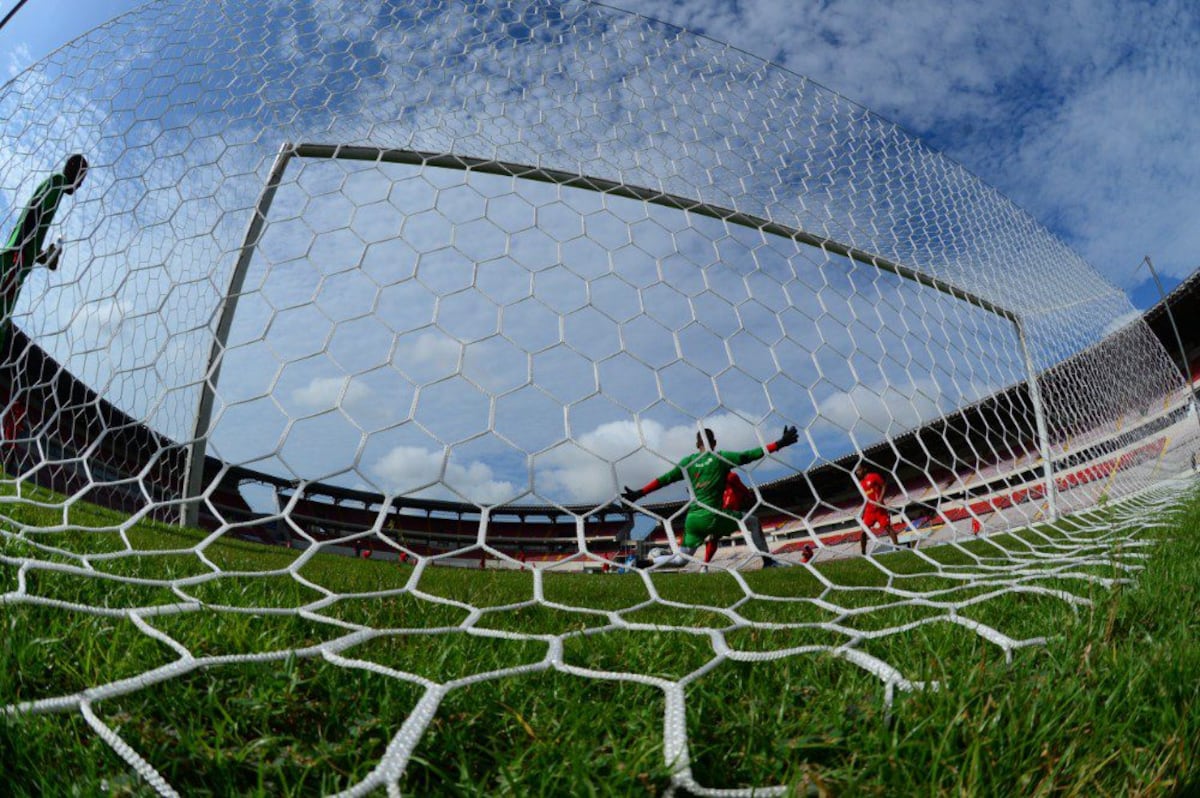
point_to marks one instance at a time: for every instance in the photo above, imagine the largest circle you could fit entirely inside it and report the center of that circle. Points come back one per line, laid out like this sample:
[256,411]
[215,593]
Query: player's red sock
[7,427]
[710,548]
[13,418]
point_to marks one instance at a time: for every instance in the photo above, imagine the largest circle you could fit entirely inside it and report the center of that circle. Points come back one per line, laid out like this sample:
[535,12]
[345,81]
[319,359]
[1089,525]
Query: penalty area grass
[1108,704]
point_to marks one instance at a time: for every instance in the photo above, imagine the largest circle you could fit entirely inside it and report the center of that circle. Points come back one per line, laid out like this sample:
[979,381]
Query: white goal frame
[193,480]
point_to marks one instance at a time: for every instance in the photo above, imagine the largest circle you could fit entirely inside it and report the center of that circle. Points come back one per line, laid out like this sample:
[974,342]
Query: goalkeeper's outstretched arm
[789,436]
[24,247]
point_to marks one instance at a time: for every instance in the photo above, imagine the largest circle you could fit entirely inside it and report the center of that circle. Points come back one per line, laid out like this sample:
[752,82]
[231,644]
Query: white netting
[430,284]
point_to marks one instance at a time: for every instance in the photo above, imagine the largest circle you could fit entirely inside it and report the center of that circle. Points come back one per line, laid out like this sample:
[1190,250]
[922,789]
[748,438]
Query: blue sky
[846,380]
[1082,113]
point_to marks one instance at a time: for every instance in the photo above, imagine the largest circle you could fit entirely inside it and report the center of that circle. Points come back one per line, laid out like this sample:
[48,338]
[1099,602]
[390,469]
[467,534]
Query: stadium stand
[980,460]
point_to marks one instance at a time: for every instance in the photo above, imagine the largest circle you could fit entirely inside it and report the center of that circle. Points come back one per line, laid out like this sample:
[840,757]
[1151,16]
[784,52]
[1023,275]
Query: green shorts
[703,524]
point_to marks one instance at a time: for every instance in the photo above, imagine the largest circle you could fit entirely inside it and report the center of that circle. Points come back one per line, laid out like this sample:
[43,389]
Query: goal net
[432,286]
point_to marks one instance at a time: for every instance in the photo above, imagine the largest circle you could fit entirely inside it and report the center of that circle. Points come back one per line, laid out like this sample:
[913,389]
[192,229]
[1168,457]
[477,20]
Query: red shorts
[873,517]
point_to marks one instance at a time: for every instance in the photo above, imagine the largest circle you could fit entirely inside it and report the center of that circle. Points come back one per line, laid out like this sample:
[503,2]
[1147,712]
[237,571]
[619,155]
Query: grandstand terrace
[980,460]
[370,522]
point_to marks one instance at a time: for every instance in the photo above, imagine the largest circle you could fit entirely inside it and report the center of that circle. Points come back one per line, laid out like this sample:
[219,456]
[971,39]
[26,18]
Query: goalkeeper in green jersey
[24,248]
[21,252]
[706,471]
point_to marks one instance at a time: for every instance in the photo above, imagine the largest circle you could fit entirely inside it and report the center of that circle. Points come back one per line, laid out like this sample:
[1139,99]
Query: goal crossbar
[194,472]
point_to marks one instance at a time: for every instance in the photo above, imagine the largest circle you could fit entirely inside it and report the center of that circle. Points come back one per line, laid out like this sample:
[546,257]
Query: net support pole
[193,475]
[1183,358]
[1039,415]
[1185,367]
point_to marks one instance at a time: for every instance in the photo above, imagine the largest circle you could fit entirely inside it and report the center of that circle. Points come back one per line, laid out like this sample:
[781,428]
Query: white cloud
[581,473]
[408,469]
[435,349]
[1120,322]
[427,357]
[99,320]
[1073,112]
[1119,166]
[584,474]
[1077,111]
[19,59]
[872,412]
[326,392]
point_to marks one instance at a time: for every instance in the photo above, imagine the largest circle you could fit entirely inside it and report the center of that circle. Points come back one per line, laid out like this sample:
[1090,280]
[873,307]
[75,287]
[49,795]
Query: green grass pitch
[1109,704]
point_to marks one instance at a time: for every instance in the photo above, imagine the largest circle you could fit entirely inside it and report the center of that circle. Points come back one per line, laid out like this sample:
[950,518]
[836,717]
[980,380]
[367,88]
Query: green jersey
[25,243]
[707,472]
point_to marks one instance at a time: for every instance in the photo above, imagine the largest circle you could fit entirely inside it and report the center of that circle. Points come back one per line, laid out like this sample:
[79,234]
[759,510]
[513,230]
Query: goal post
[1039,416]
[226,310]
[193,475]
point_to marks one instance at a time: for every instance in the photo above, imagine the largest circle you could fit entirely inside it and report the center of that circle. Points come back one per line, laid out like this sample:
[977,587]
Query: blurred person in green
[24,249]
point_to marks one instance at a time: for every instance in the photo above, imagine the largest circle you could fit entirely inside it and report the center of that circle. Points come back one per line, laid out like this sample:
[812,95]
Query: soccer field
[521,286]
[482,682]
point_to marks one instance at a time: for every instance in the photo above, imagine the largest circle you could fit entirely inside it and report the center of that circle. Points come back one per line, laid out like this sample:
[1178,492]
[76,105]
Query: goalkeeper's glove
[789,437]
[50,255]
[630,495]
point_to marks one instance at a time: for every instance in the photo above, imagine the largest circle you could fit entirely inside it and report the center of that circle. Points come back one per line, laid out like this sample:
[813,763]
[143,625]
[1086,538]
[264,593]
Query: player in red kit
[875,516]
